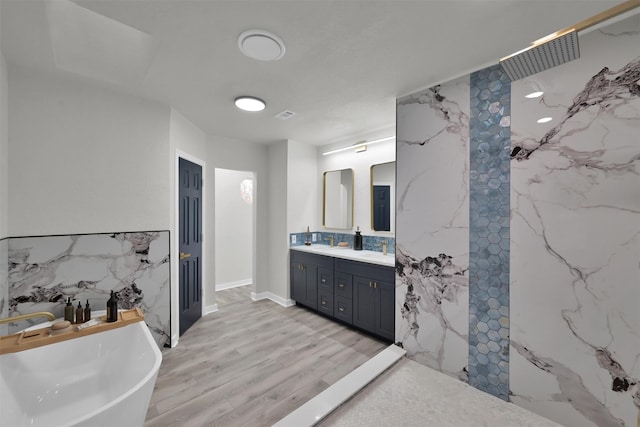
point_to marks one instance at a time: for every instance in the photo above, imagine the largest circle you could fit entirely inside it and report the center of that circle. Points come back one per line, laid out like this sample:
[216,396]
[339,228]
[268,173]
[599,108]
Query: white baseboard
[235,284]
[209,309]
[273,297]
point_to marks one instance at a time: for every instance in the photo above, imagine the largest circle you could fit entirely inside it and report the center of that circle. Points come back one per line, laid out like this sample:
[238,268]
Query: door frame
[175,244]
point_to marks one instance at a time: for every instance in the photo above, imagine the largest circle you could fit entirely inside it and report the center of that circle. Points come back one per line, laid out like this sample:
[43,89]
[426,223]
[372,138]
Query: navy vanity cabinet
[373,290]
[306,273]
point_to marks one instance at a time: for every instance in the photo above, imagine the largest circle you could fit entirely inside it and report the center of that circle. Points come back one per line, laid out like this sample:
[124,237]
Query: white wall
[278,213]
[360,163]
[84,159]
[234,230]
[4,148]
[228,153]
[302,170]
[4,175]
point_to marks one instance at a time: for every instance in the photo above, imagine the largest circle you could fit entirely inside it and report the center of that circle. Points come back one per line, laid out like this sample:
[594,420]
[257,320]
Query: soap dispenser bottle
[112,308]
[87,312]
[79,313]
[357,240]
[68,311]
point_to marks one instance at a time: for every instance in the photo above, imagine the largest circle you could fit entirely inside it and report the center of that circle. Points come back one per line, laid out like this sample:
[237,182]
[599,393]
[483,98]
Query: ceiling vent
[286,114]
[261,45]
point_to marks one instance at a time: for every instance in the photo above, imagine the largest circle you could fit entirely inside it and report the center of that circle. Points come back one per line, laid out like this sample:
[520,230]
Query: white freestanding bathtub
[103,379]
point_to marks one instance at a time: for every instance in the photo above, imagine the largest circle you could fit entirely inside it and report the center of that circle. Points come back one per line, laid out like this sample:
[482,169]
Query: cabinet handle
[341,309]
[324,303]
[370,285]
[375,285]
[341,285]
[324,280]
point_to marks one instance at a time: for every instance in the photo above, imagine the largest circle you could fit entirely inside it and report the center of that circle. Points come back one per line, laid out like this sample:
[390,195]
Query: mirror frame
[324,198]
[391,226]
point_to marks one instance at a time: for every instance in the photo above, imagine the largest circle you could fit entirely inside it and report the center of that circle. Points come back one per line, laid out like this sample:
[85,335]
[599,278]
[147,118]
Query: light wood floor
[251,363]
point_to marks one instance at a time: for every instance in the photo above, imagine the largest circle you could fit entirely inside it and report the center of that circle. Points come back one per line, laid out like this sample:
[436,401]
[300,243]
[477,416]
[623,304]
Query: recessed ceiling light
[537,94]
[545,120]
[250,103]
[261,45]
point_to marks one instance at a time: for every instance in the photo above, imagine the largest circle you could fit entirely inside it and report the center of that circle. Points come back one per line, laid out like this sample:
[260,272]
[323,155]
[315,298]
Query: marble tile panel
[432,232]
[44,271]
[4,284]
[575,235]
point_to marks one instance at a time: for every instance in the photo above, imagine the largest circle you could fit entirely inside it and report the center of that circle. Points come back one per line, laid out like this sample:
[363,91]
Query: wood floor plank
[251,363]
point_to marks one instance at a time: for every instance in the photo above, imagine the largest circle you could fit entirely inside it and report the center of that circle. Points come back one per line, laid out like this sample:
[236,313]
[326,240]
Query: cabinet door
[364,303]
[311,285]
[298,282]
[385,309]
[304,284]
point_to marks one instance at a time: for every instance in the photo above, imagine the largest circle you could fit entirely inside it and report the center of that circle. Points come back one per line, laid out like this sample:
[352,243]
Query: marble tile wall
[553,266]
[44,271]
[490,146]
[575,235]
[4,285]
[432,232]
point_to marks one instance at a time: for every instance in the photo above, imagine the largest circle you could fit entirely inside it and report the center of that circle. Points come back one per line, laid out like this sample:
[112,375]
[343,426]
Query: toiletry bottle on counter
[87,312]
[357,240]
[112,308]
[79,313]
[68,311]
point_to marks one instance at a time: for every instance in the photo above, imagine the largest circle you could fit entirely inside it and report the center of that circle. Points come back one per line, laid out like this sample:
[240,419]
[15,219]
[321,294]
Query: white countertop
[371,257]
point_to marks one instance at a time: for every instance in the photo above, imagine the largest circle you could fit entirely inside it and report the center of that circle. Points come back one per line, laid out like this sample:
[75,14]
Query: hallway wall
[234,230]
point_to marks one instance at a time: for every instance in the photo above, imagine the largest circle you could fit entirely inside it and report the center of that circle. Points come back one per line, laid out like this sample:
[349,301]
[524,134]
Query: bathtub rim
[152,372]
[136,387]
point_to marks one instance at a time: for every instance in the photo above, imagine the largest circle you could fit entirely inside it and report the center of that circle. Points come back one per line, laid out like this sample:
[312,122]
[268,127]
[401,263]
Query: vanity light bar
[359,145]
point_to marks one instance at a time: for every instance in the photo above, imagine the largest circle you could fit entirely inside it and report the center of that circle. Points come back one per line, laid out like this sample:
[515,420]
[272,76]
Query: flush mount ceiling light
[250,103]
[261,45]
[545,120]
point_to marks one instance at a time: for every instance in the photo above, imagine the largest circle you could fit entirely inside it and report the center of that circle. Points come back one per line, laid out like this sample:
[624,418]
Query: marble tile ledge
[371,257]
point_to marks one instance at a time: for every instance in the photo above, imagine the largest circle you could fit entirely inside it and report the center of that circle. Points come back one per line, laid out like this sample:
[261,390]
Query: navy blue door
[382,208]
[190,235]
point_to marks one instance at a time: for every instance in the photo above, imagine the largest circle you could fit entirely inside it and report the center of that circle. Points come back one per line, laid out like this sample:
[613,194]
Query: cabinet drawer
[343,309]
[382,273]
[325,280]
[325,303]
[307,258]
[343,285]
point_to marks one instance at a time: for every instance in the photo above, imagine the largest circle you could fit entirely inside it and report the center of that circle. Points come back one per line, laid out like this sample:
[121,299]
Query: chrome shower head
[543,54]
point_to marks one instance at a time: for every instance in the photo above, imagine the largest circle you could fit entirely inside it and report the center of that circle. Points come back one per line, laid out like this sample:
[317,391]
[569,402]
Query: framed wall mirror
[383,193]
[337,198]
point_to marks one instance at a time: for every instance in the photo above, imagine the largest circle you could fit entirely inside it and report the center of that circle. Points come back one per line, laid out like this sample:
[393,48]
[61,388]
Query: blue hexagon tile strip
[490,143]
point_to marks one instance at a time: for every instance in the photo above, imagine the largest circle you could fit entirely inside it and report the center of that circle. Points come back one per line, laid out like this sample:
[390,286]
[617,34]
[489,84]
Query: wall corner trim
[273,297]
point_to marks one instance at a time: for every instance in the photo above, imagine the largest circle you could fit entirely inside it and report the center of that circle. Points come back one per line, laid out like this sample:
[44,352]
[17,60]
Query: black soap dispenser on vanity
[357,240]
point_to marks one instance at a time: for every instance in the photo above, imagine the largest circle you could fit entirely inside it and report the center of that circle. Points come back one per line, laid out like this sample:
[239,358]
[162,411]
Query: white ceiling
[345,63]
